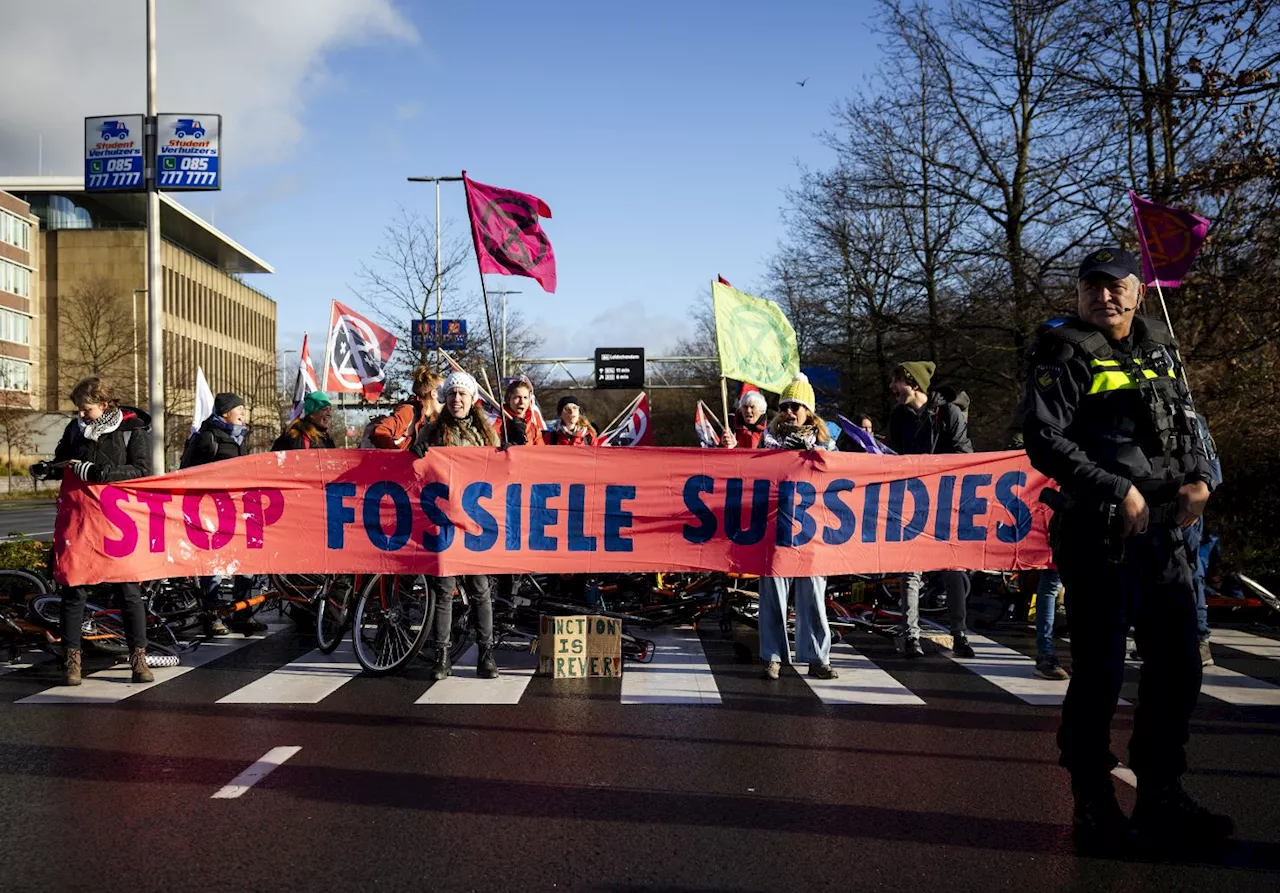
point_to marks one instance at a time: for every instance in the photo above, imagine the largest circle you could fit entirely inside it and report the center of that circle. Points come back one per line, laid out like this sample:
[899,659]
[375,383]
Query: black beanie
[224,403]
[565,401]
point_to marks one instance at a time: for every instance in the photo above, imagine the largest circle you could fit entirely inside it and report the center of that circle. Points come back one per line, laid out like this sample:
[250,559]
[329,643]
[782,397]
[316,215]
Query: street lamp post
[155,305]
[439,274]
[134,302]
[502,363]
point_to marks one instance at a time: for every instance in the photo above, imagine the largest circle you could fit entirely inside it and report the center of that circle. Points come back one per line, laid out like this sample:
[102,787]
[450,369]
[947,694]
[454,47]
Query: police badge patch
[1047,376]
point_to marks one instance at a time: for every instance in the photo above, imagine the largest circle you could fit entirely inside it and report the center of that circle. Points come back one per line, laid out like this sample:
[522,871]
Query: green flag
[756,342]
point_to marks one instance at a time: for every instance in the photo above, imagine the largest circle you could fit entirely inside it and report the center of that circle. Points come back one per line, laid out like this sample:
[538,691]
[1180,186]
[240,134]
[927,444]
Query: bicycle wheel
[101,630]
[392,622]
[333,612]
[17,586]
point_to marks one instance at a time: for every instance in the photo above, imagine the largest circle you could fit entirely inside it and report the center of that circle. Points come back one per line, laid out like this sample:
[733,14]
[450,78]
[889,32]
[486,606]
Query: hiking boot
[1165,815]
[486,666]
[1048,668]
[1206,656]
[442,667]
[71,667]
[138,663]
[1098,820]
[772,669]
[819,670]
[961,647]
[911,649]
[214,626]
[249,627]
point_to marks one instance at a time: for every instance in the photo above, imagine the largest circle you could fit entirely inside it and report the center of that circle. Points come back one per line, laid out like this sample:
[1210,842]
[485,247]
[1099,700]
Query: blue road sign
[423,335]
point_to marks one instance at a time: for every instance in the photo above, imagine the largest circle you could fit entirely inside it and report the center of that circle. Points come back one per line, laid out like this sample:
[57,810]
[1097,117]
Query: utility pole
[155,297]
[502,362]
[439,274]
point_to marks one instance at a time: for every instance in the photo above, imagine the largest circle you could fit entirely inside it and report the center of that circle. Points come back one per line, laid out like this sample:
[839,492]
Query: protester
[106,443]
[521,424]
[399,430]
[1047,666]
[923,425]
[1105,415]
[748,423]
[1194,536]
[796,427]
[221,436]
[574,429]
[311,431]
[461,423]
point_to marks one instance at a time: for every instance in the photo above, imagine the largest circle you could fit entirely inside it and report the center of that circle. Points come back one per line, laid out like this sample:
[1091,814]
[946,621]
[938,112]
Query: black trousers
[133,614]
[1151,591]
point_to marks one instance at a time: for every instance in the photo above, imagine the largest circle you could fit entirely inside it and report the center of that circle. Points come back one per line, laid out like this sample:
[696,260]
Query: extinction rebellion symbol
[524,246]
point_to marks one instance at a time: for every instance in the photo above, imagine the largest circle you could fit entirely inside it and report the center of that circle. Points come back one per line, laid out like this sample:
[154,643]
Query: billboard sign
[188,152]
[619,367]
[423,335]
[113,154]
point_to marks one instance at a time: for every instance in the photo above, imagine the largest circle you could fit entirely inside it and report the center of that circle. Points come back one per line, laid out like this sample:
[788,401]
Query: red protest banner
[478,510]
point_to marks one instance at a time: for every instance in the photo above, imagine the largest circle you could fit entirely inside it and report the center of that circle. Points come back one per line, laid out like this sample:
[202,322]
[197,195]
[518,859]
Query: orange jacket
[397,431]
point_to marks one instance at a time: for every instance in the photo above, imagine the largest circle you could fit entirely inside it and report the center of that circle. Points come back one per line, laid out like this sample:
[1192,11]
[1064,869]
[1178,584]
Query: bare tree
[95,323]
[17,431]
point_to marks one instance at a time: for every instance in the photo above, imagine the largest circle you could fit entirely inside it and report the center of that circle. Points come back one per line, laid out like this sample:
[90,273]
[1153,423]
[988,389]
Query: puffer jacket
[118,455]
[522,432]
[580,436]
[214,442]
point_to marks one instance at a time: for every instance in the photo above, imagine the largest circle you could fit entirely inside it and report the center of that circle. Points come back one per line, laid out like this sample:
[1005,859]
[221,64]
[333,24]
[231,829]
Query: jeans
[133,614]
[1046,608]
[813,634]
[211,587]
[957,584]
[1194,535]
[477,587]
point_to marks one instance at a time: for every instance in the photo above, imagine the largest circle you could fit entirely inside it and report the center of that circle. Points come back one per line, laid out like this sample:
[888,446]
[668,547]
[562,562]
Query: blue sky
[661,134]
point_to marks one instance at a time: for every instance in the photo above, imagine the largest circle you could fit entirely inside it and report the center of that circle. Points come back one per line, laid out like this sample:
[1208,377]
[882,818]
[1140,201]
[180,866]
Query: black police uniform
[1100,415]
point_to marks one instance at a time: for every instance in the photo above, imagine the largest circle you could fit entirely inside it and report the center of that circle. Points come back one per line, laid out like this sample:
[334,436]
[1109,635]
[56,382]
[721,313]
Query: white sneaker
[1206,656]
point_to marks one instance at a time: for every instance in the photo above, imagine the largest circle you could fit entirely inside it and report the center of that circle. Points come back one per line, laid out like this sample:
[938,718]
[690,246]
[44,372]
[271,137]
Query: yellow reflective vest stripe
[1108,376]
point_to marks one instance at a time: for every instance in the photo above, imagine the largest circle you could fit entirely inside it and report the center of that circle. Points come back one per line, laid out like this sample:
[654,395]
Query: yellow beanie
[799,391]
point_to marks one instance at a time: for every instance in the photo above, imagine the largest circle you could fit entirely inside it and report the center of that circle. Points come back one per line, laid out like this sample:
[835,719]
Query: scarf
[103,424]
[797,437]
[237,432]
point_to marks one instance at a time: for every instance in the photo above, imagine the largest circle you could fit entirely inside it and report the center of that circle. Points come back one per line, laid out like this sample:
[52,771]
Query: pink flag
[1170,239]
[358,353]
[506,233]
[305,383]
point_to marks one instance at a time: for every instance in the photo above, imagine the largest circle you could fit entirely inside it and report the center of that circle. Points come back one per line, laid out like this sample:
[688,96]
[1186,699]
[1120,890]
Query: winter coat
[938,427]
[522,432]
[464,432]
[749,436]
[399,430]
[580,436]
[213,443]
[119,455]
[302,435]
[782,435]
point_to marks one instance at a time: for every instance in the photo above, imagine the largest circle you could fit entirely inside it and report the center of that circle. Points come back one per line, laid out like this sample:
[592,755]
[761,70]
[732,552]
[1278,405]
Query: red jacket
[581,437]
[750,437]
[532,432]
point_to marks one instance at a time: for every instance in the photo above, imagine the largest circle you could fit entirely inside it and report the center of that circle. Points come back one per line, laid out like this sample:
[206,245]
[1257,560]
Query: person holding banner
[575,429]
[462,423]
[105,443]
[399,430]
[522,425]
[796,427]
[1108,416]
[748,424]
[311,431]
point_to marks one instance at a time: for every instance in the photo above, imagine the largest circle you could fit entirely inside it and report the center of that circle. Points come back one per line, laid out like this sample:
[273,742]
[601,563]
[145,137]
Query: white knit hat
[459,381]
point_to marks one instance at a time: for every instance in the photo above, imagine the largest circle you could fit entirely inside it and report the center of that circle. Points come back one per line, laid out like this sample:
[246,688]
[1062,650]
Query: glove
[796,441]
[86,471]
[517,435]
[40,471]
[419,448]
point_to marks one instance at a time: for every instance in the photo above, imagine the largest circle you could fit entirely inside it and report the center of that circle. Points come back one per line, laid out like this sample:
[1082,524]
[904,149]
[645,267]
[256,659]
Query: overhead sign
[113,153]
[187,152]
[619,367]
[423,335]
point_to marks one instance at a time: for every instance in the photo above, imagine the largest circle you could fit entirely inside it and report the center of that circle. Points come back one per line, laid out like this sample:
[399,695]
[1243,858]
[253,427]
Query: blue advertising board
[113,154]
[423,335]
[188,152]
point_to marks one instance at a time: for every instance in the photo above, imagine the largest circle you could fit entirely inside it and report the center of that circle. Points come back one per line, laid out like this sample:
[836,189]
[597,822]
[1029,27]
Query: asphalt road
[27,519]
[691,773]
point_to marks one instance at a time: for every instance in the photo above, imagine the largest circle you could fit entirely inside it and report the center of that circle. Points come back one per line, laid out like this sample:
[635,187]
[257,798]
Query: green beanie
[920,370]
[314,402]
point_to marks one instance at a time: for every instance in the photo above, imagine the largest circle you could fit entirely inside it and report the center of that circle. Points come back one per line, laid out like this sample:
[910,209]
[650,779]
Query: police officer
[1108,418]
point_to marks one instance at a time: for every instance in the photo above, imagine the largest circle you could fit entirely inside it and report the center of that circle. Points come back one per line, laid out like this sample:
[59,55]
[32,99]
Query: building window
[15,375]
[15,231]
[15,279]
[14,327]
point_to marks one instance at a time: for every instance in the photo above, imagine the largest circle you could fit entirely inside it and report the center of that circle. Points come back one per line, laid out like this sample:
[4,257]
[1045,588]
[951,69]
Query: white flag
[204,402]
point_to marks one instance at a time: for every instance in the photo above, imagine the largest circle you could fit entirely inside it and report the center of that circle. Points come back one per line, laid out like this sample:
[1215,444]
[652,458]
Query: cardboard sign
[580,647]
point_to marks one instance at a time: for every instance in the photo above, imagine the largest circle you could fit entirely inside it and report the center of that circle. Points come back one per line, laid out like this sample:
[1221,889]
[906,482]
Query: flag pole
[724,385]
[629,408]
[323,378]
[484,294]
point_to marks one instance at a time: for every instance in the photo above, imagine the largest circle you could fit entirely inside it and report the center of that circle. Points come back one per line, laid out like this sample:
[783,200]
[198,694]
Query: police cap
[1114,262]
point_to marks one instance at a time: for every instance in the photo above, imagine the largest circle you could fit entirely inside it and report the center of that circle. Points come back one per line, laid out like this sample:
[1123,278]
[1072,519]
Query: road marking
[1260,646]
[1125,774]
[16,537]
[860,682]
[1012,671]
[678,674]
[308,680]
[1238,689]
[465,687]
[270,762]
[112,686]
[26,661]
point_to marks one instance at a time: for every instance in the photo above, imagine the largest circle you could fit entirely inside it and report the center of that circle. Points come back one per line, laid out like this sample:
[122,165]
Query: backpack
[411,433]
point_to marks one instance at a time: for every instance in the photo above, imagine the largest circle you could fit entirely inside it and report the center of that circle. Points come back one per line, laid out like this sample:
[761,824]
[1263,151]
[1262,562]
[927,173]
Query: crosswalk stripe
[464,687]
[112,685]
[1259,646]
[678,674]
[1238,689]
[1012,671]
[308,680]
[860,682]
[25,661]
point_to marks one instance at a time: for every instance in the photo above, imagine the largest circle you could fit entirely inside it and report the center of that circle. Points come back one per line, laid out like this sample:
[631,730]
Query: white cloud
[254,61]
[629,324]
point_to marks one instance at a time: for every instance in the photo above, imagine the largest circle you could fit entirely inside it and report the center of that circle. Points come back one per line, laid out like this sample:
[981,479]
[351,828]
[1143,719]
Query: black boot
[486,666]
[1166,816]
[442,667]
[1098,820]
